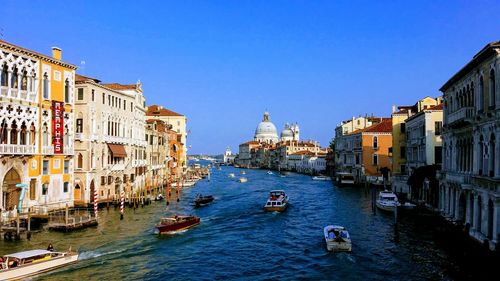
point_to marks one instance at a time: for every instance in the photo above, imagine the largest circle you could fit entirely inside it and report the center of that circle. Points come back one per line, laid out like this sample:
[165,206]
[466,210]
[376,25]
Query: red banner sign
[57,126]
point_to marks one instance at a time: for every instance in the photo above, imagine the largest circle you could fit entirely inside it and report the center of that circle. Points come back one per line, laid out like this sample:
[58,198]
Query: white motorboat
[277,202]
[188,183]
[321,178]
[387,201]
[337,238]
[243,179]
[243,172]
[270,173]
[231,175]
[407,206]
[28,263]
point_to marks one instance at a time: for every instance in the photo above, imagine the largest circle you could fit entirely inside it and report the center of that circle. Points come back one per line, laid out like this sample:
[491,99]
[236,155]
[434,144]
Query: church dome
[287,133]
[266,131]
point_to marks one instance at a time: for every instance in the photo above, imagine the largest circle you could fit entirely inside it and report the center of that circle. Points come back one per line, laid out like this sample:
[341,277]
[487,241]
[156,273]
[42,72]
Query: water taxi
[177,223]
[231,175]
[243,179]
[243,172]
[270,173]
[337,238]
[387,201]
[28,263]
[203,200]
[321,178]
[277,202]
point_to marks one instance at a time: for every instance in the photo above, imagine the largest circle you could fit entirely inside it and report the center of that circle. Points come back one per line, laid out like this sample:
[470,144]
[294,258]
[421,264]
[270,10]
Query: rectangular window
[93,94]
[103,98]
[402,152]
[438,155]
[80,94]
[33,189]
[403,128]
[45,188]
[403,169]
[124,105]
[438,128]
[375,159]
[66,166]
[65,187]
[103,180]
[79,125]
[45,167]
[56,164]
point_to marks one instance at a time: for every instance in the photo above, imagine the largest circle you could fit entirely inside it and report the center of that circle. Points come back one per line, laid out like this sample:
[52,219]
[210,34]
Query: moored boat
[387,201]
[203,200]
[277,202]
[321,178]
[345,179]
[243,172]
[337,238]
[231,175]
[243,179]
[270,173]
[177,223]
[28,263]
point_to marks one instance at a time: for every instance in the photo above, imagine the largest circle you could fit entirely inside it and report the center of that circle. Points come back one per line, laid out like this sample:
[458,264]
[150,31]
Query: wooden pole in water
[66,216]
[17,224]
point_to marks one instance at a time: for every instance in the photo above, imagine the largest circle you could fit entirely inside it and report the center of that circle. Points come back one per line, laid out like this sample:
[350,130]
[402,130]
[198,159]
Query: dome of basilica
[266,131]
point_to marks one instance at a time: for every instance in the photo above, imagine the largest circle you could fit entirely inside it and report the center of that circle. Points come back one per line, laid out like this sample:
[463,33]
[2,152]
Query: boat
[243,179]
[28,263]
[243,172]
[270,173]
[231,175]
[337,238]
[203,200]
[159,197]
[407,206]
[321,178]
[177,223]
[345,179]
[188,183]
[277,202]
[387,201]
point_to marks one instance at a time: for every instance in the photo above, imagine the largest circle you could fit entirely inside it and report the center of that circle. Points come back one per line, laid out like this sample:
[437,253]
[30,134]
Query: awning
[118,150]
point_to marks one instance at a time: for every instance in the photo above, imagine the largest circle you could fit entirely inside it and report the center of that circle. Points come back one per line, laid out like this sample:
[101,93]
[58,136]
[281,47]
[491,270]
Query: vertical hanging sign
[57,126]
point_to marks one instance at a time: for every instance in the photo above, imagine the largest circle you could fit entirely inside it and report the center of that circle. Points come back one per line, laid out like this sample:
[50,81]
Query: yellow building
[36,129]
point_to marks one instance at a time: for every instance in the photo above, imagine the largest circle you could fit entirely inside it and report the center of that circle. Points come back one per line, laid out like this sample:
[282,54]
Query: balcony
[69,150]
[17,149]
[460,117]
[24,95]
[79,136]
[4,91]
[461,178]
[118,167]
[47,149]
[138,163]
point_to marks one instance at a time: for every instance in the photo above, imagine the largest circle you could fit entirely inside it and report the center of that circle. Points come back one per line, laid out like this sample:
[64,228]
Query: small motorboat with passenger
[28,263]
[201,200]
[277,202]
[321,178]
[337,238]
[177,223]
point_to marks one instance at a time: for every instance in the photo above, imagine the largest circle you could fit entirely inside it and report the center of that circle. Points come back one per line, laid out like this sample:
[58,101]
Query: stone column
[456,204]
[497,152]
[475,154]
[496,220]
[476,209]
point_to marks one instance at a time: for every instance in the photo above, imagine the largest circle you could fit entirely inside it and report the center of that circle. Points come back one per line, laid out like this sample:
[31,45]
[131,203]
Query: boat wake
[96,254]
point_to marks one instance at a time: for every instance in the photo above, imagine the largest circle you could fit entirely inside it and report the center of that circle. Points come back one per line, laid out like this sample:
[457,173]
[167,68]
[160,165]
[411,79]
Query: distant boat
[277,202]
[231,175]
[321,178]
[28,263]
[337,238]
[188,183]
[387,201]
[270,173]
[177,223]
[345,179]
[243,172]
[243,179]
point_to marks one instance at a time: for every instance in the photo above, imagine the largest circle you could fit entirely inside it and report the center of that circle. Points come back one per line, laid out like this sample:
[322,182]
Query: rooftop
[158,110]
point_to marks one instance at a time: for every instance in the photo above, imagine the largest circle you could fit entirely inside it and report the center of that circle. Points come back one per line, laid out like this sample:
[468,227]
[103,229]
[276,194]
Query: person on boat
[50,248]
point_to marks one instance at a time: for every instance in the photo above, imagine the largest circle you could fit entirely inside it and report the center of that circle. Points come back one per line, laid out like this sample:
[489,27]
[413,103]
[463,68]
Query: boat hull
[385,207]
[204,201]
[164,228]
[334,246]
[24,271]
[275,208]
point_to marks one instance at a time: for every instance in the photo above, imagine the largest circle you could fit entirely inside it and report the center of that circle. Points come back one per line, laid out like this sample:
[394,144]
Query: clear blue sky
[222,63]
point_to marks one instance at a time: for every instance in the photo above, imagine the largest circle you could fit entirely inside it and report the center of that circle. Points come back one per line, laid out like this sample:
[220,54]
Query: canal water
[238,240]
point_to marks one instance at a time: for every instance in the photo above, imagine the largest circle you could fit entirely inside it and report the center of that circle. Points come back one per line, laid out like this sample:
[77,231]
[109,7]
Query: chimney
[393,108]
[56,53]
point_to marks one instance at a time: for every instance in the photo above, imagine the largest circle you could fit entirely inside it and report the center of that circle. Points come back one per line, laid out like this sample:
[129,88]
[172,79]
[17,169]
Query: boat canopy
[29,254]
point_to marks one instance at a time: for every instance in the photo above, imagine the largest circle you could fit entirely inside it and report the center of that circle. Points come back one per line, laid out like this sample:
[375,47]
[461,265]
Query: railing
[463,114]
[137,163]
[17,94]
[17,149]
[115,139]
[78,136]
[458,177]
[47,149]
[118,167]
[4,91]
[69,150]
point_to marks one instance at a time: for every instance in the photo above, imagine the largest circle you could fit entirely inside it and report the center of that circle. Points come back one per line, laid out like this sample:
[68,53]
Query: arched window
[13,133]
[492,88]
[481,155]
[375,142]
[45,86]
[481,94]
[3,132]
[493,151]
[24,80]
[80,161]
[23,134]
[14,79]
[66,91]
[4,76]
[32,134]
